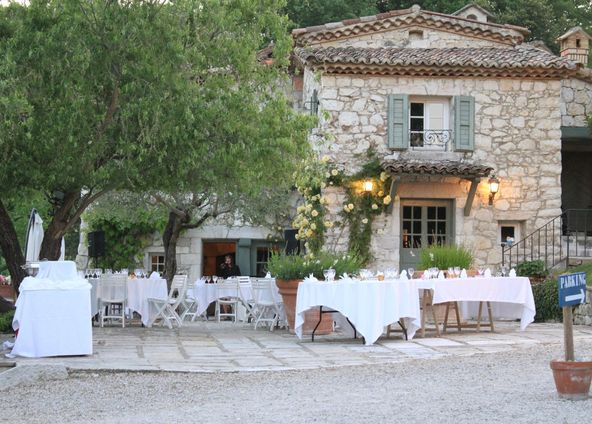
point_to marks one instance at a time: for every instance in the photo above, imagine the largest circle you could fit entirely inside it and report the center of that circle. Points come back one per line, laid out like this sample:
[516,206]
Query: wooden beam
[471,195]
[395,181]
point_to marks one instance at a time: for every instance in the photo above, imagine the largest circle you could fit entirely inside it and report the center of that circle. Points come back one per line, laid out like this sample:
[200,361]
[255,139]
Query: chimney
[575,45]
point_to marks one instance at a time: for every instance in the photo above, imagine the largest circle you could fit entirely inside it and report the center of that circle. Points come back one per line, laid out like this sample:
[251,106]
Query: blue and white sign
[572,289]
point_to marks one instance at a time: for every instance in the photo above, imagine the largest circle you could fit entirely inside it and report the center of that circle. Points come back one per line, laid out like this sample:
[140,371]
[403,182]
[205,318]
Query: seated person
[228,268]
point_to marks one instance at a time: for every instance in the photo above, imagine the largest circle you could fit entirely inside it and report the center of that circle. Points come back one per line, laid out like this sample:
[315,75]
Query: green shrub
[532,269]
[546,300]
[290,267]
[444,257]
[6,322]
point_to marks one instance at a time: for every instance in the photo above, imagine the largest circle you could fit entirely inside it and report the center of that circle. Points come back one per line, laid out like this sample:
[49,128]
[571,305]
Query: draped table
[512,296]
[369,305]
[139,290]
[53,317]
[206,293]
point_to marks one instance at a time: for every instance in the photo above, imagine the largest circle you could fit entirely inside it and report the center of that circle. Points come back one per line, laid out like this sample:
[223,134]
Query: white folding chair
[228,294]
[112,294]
[265,307]
[190,304]
[167,308]
[246,297]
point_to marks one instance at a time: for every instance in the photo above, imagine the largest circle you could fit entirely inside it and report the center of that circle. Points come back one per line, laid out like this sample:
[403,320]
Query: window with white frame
[509,232]
[429,123]
[156,262]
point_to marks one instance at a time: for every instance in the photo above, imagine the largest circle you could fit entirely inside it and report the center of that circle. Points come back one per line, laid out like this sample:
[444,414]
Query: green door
[423,223]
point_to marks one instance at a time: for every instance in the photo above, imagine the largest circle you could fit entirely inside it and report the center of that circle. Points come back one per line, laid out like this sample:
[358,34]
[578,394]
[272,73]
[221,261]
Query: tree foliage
[98,95]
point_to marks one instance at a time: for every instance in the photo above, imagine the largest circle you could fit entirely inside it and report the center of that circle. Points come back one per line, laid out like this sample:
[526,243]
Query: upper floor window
[429,123]
[425,123]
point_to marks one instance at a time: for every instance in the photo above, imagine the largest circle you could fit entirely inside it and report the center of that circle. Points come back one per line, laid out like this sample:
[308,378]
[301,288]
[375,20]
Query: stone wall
[517,132]
[576,102]
[583,313]
[420,37]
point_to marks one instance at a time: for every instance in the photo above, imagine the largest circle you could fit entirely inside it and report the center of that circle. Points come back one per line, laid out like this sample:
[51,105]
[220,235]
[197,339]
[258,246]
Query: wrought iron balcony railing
[430,139]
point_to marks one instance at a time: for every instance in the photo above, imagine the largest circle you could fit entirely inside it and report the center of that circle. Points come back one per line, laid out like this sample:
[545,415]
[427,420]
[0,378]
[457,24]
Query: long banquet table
[369,305]
[139,290]
[512,296]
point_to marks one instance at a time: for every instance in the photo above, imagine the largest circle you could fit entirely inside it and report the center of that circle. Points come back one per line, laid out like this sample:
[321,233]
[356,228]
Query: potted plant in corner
[572,376]
[290,270]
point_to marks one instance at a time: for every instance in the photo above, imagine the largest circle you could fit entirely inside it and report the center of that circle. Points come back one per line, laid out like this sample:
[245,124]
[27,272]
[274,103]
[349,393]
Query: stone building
[447,102]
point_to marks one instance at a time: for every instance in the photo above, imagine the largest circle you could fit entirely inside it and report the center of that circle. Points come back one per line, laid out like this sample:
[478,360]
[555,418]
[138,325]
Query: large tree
[101,95]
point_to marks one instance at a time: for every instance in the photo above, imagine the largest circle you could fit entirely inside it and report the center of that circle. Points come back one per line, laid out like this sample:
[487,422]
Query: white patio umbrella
[35,238]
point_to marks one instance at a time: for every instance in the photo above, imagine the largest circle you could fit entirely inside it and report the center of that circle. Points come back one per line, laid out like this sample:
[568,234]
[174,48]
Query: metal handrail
[546,243]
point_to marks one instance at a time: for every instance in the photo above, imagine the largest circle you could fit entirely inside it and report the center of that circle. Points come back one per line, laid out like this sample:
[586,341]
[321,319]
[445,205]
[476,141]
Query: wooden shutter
[314,103]
[464,123]
[398,121]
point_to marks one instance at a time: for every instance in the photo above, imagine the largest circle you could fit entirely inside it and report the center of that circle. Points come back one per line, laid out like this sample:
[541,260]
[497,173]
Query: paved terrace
[228,347]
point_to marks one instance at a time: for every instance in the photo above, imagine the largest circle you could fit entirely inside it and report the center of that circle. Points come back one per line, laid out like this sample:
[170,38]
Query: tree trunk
[52,237]
[11,249]
[170,238]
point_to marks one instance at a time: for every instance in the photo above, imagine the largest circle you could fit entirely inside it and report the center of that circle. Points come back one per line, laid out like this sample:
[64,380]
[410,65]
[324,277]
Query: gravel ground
[510,387]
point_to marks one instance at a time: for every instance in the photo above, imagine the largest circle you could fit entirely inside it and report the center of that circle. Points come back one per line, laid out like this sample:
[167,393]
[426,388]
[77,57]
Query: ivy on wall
[366,196]
[129,226]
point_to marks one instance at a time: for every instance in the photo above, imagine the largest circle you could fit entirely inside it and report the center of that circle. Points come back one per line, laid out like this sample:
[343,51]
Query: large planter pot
[7,292]
[288,290]
[572,378]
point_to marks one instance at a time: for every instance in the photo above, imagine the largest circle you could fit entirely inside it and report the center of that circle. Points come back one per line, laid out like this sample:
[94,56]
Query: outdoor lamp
[493,188]
[367,186]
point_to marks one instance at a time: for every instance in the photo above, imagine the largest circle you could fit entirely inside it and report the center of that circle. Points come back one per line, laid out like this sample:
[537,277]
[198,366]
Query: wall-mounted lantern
[493,188]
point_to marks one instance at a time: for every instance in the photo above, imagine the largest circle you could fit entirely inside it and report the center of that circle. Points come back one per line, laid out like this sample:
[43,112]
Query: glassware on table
[391,273]
[457,271]
[326,274]
[215,278]
[330,274]
[504,270]
[410,272]
[480,271]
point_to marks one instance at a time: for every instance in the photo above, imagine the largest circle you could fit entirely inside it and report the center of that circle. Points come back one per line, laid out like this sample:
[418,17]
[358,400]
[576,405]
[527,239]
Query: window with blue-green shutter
[398,121]
[464,123]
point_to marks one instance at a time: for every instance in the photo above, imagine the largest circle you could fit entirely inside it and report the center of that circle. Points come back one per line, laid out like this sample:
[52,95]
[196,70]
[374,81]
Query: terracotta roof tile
[486,57]
[445,168]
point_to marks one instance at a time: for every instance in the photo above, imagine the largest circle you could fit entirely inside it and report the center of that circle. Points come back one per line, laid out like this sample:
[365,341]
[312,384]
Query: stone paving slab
[224,347]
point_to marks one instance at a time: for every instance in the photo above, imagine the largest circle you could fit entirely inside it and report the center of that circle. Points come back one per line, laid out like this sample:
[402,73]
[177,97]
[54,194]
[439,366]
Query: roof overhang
[474,173]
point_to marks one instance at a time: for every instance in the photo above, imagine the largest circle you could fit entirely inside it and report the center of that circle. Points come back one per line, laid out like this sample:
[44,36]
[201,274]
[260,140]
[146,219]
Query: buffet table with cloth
[514,295]
[139,290]
[206,293]
[369,305]
[53,316]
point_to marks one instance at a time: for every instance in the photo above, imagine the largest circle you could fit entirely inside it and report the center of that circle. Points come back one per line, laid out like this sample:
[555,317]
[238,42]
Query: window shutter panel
[398,121]
[464,123]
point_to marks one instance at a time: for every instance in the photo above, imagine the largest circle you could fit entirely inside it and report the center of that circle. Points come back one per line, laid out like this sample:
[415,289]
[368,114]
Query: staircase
[563,240]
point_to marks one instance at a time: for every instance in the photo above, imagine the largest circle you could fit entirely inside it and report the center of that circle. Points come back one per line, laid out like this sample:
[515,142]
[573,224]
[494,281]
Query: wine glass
[504,270]
[331,274]
[215,279]
[410,272]
[480,270]
[457,271]
[326,274]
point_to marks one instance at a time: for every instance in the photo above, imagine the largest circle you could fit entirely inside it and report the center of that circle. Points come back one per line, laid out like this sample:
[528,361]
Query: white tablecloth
[369,305]
[58,270]
[208,293]
[514,293]
[138,292]
[53,318]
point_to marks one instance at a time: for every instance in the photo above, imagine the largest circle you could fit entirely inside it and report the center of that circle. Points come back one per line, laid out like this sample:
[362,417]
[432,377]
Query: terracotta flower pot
[288,290]
[572,378]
